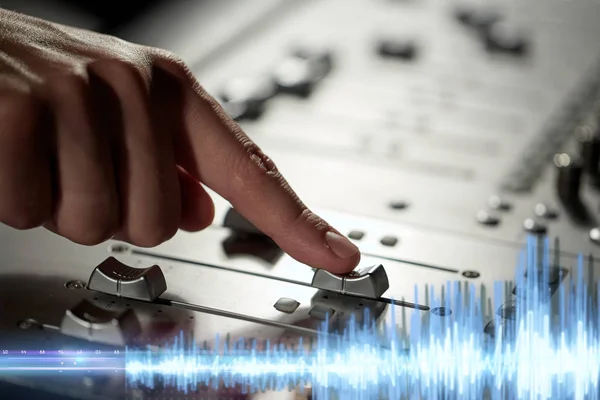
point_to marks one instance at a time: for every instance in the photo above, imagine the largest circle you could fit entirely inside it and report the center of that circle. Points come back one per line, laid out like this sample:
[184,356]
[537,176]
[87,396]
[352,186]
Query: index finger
[219,154]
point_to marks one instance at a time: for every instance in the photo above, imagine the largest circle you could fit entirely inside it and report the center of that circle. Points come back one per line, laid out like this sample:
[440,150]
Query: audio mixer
[442,137]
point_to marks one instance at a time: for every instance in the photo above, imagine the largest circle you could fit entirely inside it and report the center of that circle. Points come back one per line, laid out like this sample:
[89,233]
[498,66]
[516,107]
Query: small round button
[498,203]
[389,241]
[484,218]
[532,226]
[356,235]
[544,211]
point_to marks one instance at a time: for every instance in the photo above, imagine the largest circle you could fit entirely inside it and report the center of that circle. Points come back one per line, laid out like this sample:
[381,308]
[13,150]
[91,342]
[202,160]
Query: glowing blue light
[549,350]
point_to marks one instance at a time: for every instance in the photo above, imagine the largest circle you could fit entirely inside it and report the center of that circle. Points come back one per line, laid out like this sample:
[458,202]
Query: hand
[102,138]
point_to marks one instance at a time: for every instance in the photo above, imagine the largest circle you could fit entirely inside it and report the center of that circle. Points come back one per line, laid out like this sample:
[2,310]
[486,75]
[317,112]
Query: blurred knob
[589,147]
[568,179]
[89,322]
[504,37]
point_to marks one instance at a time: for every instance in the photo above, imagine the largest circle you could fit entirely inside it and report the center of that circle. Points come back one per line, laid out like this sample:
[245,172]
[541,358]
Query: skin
[101,138]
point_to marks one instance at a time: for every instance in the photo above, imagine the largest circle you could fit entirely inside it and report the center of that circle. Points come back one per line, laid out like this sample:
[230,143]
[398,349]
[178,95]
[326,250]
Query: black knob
[245,97]
[568,178]
[589,147]
[504,37]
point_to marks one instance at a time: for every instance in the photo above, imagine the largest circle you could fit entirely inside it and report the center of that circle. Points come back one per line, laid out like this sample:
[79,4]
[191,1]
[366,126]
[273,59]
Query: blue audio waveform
[543,343]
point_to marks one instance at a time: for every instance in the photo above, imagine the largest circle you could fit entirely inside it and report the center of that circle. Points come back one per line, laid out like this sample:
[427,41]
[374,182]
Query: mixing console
[437,135]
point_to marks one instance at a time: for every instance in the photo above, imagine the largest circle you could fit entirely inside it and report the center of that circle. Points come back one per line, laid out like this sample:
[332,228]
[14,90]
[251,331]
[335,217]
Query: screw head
[441,311]
[27,324]
[118,248]
[75,285]
[471,274]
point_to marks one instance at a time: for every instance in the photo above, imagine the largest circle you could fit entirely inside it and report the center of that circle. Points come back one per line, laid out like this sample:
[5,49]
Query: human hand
[102,138]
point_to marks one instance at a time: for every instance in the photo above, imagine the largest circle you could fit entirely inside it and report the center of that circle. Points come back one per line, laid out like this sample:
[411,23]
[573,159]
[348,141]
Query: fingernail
[340,245]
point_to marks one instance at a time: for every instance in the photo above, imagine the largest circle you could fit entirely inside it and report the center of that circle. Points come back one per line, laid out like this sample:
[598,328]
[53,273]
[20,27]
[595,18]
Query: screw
[441,311]
[470,274]
[27,324]
[75,285]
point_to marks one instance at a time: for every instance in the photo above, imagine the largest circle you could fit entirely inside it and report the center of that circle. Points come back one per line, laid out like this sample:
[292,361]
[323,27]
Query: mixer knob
[248,240]
[504,37]
[251,88]
[479,19]
[115,278]
[236,222]
[299,73]
[568,178]
[321,58]
[244,98]
[89,322]
[589,145]
[370,282]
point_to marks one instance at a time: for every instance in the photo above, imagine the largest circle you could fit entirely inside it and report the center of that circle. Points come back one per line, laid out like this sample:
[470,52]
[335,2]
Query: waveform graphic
[542,343]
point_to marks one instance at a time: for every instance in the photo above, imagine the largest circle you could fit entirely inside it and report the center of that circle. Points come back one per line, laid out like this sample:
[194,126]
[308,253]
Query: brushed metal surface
[439,133]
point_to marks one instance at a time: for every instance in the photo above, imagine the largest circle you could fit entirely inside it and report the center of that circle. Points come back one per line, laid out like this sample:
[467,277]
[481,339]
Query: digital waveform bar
[545,344]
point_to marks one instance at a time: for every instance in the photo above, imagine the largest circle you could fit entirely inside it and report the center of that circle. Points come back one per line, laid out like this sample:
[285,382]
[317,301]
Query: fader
[371,282]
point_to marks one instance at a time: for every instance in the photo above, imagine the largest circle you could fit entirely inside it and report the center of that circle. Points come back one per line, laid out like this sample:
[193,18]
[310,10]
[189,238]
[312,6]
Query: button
[286,305]
[532,226]
[247,240]
[472,17]
[508,311]
[595,235]
[398,205]
[356,235]
[389,241]
[252,88]
[397,48]
[484,18]
[544,211]
[235,221]
[321,58]
[370,282]
[321,312]
[89,322]
[498,203]
[505,37]
[242,110]
[261,247]
[484,218]
[298,75]
[115,278]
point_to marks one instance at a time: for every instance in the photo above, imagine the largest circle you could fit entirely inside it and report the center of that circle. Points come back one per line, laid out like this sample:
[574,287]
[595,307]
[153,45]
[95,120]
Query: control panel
[441,137]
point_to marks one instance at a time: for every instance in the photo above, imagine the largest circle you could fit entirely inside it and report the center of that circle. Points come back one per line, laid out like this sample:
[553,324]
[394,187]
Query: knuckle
[89,224]
[126,74]
[24,219]
[171,62]
[153,237]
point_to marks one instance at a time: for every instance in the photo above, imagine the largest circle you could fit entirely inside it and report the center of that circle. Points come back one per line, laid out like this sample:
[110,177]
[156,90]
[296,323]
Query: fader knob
[370,282]
[568,179]
[89,322]
[115,278]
